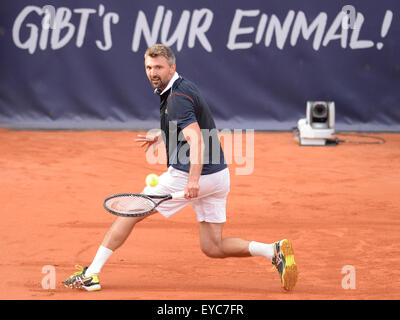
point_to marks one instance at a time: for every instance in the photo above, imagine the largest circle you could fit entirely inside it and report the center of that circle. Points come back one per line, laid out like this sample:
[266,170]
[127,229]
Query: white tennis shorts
[210,205]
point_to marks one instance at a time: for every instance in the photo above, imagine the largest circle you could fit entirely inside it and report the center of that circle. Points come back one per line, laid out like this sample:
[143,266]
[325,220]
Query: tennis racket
[136,204]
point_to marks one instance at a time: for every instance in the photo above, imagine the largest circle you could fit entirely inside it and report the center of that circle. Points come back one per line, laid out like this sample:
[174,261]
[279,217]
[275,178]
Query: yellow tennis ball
[152,180]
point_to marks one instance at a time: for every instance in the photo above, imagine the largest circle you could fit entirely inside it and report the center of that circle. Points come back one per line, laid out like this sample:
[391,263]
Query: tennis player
[196,164]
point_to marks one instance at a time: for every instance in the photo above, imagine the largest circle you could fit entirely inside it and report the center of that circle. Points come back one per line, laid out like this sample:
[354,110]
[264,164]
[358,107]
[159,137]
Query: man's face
[159,71]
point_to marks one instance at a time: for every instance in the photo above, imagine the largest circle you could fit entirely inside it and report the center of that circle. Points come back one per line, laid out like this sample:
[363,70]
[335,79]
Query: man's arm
[194,137]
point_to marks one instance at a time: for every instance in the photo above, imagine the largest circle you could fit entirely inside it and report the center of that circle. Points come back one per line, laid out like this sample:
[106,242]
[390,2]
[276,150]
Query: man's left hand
[192,190]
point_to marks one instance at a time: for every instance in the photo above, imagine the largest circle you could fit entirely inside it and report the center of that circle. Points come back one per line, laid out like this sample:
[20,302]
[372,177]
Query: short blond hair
[161,50]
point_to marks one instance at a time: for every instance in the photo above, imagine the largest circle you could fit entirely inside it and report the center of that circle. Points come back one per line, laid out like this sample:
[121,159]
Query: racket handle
[178,195]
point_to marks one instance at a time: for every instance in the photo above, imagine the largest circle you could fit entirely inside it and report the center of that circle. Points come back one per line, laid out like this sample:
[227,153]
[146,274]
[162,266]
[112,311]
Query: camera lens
[320,112]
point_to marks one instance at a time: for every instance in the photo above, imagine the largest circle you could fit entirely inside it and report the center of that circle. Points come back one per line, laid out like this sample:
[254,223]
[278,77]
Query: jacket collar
[170,83]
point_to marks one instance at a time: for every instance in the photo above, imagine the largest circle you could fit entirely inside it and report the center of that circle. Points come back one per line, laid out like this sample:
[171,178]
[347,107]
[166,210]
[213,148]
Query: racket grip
[178,195]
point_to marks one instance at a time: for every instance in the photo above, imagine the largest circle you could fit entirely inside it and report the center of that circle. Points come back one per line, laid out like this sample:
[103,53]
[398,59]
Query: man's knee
[212,251]
[122,227]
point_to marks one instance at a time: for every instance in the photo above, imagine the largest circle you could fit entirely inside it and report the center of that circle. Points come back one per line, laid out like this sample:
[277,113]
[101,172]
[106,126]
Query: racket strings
[130,204]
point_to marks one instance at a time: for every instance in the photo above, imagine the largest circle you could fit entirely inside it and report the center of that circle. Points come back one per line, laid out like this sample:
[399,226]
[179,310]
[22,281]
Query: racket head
[129,204]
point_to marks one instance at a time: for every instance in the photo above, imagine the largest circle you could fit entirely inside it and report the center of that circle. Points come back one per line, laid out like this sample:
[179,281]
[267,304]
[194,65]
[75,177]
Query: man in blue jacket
[195,164]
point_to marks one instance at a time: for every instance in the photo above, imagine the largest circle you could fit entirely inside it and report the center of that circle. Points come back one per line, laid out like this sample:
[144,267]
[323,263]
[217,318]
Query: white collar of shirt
[170,83]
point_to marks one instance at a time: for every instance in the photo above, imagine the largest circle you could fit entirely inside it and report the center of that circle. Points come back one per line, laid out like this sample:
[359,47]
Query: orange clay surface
[340,206]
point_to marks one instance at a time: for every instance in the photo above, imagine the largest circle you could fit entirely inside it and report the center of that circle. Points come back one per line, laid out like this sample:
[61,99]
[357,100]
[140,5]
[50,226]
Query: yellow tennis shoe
[80,281]
[283,261]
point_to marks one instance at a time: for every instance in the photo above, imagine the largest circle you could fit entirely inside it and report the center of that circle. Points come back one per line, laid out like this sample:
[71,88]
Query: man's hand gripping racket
[136,204]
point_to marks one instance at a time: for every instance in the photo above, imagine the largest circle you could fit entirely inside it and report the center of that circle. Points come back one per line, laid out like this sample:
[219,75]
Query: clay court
[339,205]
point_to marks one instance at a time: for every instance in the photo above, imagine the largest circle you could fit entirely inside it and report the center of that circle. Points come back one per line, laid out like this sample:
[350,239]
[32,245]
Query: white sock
[261,249]
[99,260]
